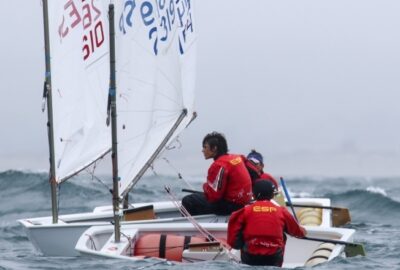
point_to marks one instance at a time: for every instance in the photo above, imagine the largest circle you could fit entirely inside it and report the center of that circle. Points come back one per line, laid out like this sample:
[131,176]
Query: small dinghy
[184,243]
[60,239]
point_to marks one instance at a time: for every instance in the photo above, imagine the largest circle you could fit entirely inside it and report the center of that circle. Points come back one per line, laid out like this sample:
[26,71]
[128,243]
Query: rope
[186,214]
[178,173]
[130,247]
[197,225]
[170,147]
[91,241]
[91,173]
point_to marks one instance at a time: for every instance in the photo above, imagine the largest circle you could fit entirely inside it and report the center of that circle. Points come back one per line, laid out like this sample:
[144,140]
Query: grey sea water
[374,205]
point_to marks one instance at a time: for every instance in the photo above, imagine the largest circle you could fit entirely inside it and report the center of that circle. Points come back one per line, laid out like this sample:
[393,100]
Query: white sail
[155,65]
[79,49]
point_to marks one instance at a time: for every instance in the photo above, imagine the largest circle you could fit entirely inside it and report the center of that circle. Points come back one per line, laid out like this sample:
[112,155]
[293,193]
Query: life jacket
[264,228]
[256,173]
[259,228]
[268,177]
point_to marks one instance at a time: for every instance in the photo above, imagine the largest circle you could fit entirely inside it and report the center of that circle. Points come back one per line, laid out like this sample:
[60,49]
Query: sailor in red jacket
[228,187]
[255,165]
[258,229]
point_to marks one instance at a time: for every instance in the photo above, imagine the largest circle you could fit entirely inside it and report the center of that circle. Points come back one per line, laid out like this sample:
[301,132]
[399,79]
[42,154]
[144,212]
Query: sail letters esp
[87,14]
[268,209]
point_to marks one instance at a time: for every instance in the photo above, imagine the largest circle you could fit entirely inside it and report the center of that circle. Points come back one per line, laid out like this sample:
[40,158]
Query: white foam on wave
[302,194]
[377,190]
[22,170]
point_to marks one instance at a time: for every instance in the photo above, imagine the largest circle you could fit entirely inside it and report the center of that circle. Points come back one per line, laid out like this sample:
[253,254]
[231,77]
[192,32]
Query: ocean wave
[23,192]
[378,190]
[369,205]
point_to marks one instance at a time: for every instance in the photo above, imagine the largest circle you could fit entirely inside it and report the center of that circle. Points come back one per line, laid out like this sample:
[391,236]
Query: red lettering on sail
[88,16]
[94,39]
[73,19]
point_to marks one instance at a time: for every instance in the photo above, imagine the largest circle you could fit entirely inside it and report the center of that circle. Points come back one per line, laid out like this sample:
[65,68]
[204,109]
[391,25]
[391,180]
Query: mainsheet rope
[197,225]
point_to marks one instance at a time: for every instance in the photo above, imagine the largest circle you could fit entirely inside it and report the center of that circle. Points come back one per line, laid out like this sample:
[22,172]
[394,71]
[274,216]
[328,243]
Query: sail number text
[86,14]
[161,17]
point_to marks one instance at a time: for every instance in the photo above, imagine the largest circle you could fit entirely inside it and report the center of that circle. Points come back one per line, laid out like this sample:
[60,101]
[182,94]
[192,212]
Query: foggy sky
[313,85]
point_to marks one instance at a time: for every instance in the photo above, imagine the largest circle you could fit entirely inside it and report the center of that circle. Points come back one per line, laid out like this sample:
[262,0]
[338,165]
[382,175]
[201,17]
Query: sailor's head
[214,145]
[255,157]
[263,189]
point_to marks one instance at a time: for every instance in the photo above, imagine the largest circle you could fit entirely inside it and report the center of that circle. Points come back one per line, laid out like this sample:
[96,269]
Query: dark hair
[263,190]
[215,139]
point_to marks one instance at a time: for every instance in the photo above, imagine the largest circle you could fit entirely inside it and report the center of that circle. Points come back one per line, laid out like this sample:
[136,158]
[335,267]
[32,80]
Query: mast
[113,107]
[50,126]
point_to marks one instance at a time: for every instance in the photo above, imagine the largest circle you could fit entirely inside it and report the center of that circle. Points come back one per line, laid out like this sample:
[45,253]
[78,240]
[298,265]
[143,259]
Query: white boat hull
[60,239]
[99,241]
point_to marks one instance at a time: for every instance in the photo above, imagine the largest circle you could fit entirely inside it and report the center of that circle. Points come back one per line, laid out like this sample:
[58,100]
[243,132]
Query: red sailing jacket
[270,178]
[258,228]
[228,179]
[256,173]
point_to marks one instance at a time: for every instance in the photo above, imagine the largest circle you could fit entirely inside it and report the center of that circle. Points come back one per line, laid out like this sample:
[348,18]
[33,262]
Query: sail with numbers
[155,43]
[155,80]
[79,58]
[152,88]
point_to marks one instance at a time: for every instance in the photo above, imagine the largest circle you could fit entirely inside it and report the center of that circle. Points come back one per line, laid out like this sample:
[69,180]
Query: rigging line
[98,179]
[94,168]
[176,140]
[178,173]
[201,229]
[186,214]
[130,246]
[197,225]
[154,171]
[220,252]
[93,244]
